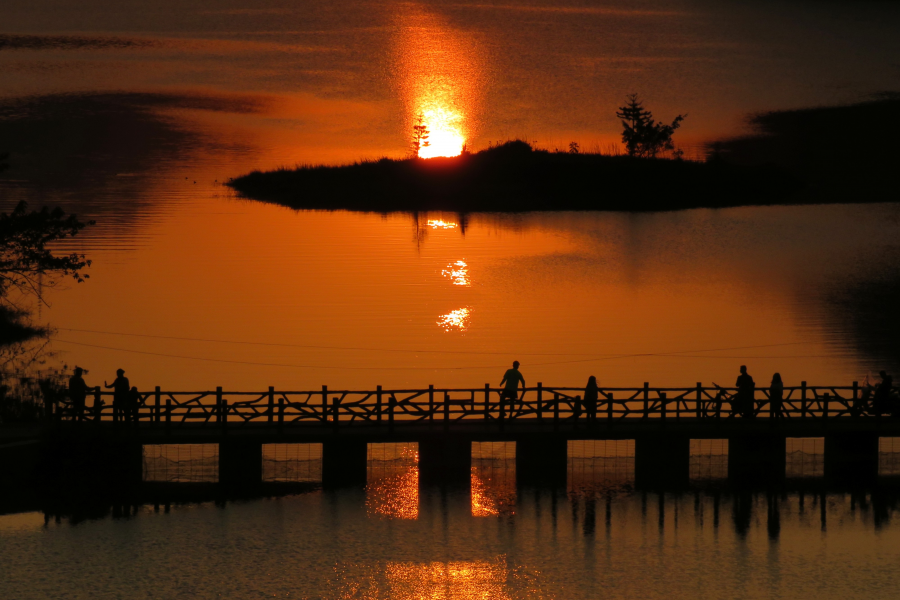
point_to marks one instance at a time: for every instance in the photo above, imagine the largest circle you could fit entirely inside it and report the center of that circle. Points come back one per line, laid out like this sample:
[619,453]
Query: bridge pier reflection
[756,458]
[851,457]
[344,462]
[662,460]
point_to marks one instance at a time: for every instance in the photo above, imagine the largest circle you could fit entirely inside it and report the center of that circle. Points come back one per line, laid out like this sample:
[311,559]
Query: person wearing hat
[121,389]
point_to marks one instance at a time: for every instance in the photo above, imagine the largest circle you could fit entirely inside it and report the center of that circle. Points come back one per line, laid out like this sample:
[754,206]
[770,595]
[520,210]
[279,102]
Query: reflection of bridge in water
[654,436]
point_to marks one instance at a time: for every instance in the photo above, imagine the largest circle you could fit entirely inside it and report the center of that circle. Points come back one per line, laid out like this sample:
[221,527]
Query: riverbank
[514,177]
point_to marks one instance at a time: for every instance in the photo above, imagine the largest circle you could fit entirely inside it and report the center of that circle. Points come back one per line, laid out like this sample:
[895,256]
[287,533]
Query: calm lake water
[133,114]
[575,543]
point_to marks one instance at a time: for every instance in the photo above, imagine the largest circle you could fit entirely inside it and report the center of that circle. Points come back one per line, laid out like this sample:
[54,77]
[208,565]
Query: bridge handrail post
[646,400]
[378,400]
[220,414]
[540,402]
[662,406]
[430,404]
[609,410]
[487,401]
[98,406]
[446,411]
[224,414]
[392,401]
[555,411]
[826,399]
[271,404]
[803,399]
[699,407]
[502,411]
[325,404]
[158,395]
[280,414]
[168,414]
[772,411]
[855,412]
[335,411]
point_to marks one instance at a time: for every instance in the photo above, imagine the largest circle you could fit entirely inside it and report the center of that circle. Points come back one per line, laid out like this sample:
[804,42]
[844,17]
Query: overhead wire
[596,358]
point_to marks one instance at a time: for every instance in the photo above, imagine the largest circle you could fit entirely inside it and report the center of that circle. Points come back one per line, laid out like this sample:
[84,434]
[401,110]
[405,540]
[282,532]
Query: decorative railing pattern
[447,406]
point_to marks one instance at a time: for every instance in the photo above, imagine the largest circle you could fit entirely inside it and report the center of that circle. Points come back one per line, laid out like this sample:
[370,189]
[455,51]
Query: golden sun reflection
[458,273]
[455,320]
[392,487]
[493,478]
[490,579]
[469,579]
[439,224]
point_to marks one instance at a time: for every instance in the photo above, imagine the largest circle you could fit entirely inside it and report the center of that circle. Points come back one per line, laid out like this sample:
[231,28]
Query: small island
[515,177]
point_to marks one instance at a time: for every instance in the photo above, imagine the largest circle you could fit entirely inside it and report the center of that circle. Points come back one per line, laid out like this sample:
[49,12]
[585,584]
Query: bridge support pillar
[541,461]
[662,459]
[756,458]
[445,460]
[344,463]
[240,462]
[851,457]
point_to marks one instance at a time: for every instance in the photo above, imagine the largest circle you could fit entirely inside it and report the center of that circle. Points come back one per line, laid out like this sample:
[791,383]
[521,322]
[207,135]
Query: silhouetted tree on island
[420,136]
[642,136]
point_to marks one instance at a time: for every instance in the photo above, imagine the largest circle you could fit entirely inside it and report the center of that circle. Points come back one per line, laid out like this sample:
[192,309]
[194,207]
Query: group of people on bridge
[126,399]
[875,398]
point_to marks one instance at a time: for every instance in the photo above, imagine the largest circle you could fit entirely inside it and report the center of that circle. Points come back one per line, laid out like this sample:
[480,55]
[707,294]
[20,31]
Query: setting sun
[444,136]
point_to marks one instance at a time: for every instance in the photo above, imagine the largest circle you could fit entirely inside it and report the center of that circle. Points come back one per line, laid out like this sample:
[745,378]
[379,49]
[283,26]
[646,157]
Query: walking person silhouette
[121,389]
[511,379]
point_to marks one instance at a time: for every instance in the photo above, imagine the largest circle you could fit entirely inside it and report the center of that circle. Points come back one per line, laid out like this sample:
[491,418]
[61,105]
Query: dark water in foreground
[328,545]
[598,537]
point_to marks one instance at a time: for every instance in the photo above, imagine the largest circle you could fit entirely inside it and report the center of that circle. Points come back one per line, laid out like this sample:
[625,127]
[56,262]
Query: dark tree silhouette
[642,136]
[420,136]
[26,263]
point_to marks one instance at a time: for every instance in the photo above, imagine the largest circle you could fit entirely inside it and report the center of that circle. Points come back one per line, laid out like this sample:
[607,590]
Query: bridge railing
[447,406]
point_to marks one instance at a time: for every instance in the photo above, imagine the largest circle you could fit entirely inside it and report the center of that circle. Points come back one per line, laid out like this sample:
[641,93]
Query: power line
[371,349]
[681,354]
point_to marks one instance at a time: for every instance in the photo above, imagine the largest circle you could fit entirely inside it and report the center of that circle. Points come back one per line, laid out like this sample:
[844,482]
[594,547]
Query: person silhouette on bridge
[776,396]
[745,393]
[121,389]
[883,392]
[78,393]
[511,379]
[591,397]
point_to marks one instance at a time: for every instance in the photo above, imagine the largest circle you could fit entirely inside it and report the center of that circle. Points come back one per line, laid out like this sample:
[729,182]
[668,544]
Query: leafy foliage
[420,136]
[26,263]
[642,136]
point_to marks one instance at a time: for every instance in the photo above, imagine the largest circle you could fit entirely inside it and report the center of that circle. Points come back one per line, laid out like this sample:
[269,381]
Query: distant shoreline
[515,178]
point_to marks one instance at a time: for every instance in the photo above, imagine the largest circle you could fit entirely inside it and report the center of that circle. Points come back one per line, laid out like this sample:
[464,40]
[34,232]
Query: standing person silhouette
[591,396]
[881,401]
[776,396]
[78,393]
[121,388]
[511,379]
[745,390]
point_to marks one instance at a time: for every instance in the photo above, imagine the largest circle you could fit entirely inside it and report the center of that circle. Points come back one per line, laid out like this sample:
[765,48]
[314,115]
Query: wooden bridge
[541,420]
[450,408]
